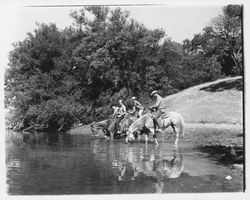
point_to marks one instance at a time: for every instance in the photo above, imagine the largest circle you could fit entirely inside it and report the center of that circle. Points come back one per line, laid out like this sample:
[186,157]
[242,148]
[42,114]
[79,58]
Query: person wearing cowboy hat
[122,109]
[157,107]
[119,114]
[157,104]
[137,106]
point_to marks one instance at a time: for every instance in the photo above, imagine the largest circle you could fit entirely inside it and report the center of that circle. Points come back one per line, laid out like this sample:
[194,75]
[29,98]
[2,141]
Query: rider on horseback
[137,106]
[120,113]
[122,109]
[157,106]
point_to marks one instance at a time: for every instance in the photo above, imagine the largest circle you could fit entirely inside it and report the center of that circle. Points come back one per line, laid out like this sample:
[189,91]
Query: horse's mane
[139,123]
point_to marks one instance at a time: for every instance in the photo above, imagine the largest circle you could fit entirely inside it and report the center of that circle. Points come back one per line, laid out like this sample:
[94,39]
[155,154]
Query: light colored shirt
[122,110]
[138,105]
[158,103]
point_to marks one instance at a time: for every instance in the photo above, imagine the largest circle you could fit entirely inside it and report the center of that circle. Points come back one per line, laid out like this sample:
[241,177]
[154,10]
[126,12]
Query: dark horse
[111,126]
[103,125]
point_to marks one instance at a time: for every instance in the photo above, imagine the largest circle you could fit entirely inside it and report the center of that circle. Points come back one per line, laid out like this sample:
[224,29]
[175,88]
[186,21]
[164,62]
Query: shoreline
[199,134]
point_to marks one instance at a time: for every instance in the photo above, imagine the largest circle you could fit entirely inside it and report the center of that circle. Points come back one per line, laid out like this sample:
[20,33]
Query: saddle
[164,115]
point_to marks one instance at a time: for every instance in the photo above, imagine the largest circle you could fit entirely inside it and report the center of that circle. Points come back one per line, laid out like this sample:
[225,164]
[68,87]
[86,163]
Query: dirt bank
[223,142]
[199,134]
[214,134]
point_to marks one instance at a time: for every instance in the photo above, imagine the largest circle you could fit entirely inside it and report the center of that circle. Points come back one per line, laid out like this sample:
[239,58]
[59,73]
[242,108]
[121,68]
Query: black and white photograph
[124,98]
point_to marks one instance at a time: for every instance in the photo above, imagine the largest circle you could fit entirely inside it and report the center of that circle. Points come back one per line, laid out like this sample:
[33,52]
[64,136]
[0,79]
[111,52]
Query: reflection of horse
[153,167]
[173,119]
[167,168]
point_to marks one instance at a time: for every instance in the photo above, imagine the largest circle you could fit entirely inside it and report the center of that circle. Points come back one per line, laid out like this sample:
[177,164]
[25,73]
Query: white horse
[173,119]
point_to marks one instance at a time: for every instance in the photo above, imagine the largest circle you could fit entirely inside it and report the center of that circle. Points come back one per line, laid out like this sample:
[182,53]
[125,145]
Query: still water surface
[79,164]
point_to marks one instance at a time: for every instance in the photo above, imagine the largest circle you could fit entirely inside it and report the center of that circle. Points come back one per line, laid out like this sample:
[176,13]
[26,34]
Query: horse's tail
[182,129]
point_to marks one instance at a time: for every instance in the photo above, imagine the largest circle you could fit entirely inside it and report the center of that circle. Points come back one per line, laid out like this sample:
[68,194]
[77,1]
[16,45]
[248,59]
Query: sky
[178,22]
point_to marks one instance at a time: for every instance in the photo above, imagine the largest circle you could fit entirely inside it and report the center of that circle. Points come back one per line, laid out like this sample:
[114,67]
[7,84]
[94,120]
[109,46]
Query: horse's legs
[138,137]
[126,140]
[105,133]
[111,135]
[177,133]
[176,140]
[152,130]
[146,139]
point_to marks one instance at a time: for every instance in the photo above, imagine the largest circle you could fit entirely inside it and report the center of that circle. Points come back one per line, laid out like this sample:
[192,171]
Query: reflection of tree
[151,166]
[52,138]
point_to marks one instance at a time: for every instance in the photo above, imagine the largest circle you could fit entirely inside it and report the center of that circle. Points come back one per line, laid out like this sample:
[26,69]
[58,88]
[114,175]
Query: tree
[229,28]
[60,77]
[115,53]
[222,39]
[57,78]
[38,81]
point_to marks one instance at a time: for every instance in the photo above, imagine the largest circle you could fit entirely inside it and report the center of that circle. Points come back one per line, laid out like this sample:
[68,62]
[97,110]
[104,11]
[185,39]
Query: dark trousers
[118,120]
[156,116]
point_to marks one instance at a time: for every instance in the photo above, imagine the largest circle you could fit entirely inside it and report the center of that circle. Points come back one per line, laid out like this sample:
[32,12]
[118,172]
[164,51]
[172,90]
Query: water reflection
[34,139]
[41,163]
[151,166]
[52,138]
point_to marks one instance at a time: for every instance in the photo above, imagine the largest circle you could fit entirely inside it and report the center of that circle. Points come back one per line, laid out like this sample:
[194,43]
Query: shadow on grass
[225,155]
[235,84]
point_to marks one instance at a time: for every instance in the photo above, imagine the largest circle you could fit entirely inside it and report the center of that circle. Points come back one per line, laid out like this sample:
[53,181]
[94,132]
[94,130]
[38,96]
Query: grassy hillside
[220,101]
[213,113]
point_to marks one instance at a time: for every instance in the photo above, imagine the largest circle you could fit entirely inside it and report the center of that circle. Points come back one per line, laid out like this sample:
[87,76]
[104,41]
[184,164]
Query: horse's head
[93,129]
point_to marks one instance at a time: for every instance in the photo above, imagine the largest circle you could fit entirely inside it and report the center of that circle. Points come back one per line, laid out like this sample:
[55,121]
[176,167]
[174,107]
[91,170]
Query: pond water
[43,163]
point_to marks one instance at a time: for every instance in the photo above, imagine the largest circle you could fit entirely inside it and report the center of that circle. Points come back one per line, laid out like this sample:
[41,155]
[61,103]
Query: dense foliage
[60,77]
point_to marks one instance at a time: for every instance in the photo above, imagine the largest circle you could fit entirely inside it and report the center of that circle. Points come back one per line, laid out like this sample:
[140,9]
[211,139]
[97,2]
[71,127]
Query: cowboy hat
[154,92]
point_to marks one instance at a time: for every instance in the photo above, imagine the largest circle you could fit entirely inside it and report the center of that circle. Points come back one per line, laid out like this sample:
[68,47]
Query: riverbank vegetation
[57,78]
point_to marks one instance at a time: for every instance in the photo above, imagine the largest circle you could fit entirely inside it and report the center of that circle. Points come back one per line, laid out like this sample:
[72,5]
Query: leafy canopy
[60,77]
